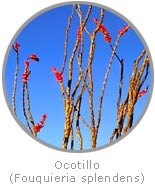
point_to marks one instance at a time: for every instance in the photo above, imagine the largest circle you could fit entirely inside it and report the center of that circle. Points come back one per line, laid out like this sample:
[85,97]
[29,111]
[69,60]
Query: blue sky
[45,36]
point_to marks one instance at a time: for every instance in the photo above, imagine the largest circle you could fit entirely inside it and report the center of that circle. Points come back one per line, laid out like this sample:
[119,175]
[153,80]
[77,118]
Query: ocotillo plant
[72,105]
[100,85]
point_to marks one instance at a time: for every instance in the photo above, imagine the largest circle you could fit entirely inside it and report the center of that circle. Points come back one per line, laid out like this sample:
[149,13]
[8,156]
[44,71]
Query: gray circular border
[50,8]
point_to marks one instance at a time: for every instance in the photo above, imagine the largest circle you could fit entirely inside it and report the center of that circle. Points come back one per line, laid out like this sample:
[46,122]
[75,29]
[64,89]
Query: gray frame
[50,8]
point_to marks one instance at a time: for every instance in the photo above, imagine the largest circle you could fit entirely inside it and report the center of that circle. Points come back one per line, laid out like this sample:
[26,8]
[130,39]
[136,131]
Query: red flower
[142,92]
[54,69]
[122,31]
[58,75]
[40,125]
[25,76]
[34,57]
[26,72]
[44,116]
[107,38]
[16,46]
[103,30]
[27,63]
[95,20]
[79,32]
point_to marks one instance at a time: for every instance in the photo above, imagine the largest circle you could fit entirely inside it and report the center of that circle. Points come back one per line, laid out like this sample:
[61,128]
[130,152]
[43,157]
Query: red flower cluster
[34,57]
[16,46]
[26,72]
[104,30]
[142,92]
[122,31]
[40,125]
[58,75]
[79,32]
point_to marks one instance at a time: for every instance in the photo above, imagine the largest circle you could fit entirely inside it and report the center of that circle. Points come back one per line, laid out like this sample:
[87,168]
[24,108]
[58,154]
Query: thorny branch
[15,84]
[67,37]
[69,101]
[127,107]
[133,92]
[24,110]
[104,84]
[29,110]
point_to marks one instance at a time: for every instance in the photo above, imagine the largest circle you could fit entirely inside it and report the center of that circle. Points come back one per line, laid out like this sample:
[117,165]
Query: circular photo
[77,77]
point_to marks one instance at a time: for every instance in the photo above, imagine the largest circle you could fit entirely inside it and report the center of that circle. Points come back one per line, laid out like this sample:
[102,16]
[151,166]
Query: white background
[19,153]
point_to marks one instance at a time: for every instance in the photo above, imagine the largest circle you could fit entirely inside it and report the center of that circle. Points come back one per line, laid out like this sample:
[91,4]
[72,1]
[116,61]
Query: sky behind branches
[45,36]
